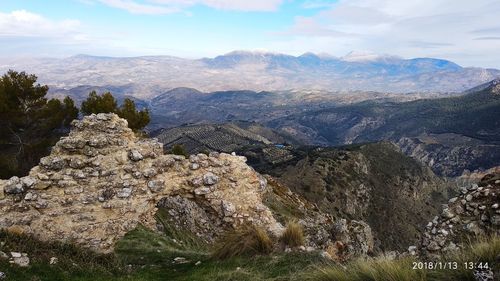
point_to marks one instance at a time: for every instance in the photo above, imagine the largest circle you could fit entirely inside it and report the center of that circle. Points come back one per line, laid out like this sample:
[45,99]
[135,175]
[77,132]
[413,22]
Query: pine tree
[95,103]
[106,103]
[137,120]
[30,123]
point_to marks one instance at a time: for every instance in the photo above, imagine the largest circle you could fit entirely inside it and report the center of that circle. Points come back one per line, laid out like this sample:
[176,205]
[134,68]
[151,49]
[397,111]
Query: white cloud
[139,8]
[24,33]
[173,6]
[441,28]
[22,23]
[306,26]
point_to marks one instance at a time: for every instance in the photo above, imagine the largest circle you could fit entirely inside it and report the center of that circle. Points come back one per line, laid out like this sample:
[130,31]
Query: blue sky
[467,32]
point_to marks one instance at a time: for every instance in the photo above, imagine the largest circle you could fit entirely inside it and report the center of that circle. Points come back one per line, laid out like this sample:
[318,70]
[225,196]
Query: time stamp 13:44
[450,265]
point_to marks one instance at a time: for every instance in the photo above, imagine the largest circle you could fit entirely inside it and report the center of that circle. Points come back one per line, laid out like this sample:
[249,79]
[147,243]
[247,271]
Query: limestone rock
[135,155]
[13,186]
[103,174]
[210,179]
[471,214]
[156,185]
[20,259]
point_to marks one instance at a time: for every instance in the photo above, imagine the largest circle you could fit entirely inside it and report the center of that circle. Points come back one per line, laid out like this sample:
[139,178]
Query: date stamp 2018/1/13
[440,265]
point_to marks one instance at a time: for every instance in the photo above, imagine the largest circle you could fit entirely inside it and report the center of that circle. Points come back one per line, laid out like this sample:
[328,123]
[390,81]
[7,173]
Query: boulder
[13,186]
[210,179]
[135,155]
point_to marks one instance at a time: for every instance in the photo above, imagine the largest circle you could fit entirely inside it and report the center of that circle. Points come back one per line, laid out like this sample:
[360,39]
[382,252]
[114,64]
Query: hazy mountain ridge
[449,134]
[259,71]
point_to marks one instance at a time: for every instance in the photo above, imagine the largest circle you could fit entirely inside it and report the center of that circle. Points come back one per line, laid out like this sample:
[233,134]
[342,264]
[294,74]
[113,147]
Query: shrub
[244,241]
[178,149]
[293,235]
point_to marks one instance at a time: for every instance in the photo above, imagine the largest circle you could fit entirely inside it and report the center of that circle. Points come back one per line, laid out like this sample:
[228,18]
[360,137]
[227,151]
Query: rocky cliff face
[342,239]
[102,181]
[451,155]
[474,213]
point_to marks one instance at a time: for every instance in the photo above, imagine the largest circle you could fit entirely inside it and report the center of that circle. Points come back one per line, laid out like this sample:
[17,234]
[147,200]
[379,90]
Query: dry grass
[380,269]
[484,250]
[244,241]
[293,235]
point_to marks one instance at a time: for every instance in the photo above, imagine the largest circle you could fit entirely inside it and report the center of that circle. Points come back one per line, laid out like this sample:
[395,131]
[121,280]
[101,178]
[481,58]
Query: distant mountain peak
[360,56]
[250,53]
[366,56]
[319,55]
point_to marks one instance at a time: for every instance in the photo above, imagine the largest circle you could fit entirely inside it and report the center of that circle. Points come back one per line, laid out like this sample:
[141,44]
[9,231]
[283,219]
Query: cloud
[22,23]
[488,38]
[487,30]
[427,45]
[24,33]
[305,26]
[138,8]
[420,28]
[158,7]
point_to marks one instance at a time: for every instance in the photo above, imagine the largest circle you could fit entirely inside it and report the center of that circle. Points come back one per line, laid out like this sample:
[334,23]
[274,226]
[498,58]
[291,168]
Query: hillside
[372,182]
[227,137]
[449,134]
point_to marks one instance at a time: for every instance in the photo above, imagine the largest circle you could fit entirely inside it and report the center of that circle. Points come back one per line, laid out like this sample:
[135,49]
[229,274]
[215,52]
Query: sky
[464,31]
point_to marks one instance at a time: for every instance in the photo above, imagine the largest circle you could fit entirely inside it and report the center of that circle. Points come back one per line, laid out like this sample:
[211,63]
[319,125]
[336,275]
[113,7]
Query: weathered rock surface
[474,213]
[102,181]
[450,154]
[342,239]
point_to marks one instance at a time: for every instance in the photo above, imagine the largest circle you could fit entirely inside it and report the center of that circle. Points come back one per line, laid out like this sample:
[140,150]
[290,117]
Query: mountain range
[148,76]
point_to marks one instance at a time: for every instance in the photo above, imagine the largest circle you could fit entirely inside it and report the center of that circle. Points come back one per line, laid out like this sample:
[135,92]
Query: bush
[178,149]
[293,235]
[244,241]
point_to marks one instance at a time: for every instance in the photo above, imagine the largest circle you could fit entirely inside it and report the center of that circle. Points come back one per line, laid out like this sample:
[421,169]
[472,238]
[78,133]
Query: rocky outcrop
[102,181]
[451,155]
[341,238]
[474,213]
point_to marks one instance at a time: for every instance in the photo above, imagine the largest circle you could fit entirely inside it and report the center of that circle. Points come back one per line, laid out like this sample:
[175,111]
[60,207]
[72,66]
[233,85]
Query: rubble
[473,213]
